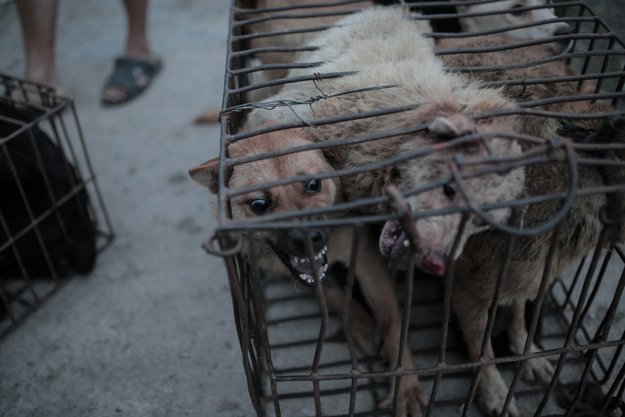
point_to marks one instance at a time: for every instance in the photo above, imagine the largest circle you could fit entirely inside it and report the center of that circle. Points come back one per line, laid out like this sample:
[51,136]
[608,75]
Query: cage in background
[53,221]
[299,357]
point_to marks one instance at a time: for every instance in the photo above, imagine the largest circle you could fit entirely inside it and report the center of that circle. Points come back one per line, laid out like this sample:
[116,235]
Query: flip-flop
[131,75]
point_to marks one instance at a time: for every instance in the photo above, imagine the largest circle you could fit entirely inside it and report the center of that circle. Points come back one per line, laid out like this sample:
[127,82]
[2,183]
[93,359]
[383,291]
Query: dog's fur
[371,270]
[478,266]
[477,23]
[275,24]
[271,22]
[511,57]
[387,49]
[500,20]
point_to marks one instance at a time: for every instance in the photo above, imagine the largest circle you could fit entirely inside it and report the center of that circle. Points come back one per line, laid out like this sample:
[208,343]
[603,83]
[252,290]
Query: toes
[411,398]
[494,410]
[538,371]
[492,396]
[114,93]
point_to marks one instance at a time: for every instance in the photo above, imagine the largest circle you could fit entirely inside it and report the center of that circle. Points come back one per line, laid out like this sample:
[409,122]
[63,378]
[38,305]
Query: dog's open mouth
[394,245]
[302,267]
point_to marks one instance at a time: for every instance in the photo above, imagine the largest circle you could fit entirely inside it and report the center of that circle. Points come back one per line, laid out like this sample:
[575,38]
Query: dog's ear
[207,174]
[452,126]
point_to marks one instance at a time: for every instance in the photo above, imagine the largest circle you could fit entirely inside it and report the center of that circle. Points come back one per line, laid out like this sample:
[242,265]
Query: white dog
[511,13]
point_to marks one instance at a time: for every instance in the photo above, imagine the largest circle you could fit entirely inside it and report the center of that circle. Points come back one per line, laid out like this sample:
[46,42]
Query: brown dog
[329,246]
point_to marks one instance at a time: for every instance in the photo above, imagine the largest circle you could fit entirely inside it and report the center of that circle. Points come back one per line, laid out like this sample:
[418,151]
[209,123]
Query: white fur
[506,20]
[387,48]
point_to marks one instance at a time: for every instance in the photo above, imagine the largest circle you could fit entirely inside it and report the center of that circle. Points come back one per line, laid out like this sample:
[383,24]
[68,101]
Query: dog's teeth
[324,250]
[324,268]
[406,243]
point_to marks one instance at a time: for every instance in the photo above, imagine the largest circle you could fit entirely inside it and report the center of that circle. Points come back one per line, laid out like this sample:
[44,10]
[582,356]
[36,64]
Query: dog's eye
[516,12]
[449,191]
[313,186]
[260,206]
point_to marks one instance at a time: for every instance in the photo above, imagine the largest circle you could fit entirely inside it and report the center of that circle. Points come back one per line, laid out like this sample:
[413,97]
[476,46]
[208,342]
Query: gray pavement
[150,332]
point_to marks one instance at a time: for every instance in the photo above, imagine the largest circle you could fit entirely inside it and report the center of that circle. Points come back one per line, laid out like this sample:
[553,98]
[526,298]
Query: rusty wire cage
[299,355]
[53,221]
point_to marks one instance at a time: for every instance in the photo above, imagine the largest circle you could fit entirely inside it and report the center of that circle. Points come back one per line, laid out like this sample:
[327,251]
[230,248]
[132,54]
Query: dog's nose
[435,264]
[318,240]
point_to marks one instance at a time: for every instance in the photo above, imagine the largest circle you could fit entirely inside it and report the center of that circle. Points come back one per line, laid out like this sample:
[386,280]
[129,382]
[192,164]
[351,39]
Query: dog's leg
[538,370]
[362,325]
[472,316]
[379,290]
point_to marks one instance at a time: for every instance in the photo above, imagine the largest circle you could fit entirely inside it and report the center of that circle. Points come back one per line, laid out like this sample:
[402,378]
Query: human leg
[137,67]
[38,22]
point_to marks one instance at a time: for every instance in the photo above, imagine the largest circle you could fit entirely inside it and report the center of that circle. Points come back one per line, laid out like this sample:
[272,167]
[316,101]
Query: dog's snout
[435,263]
[318,239]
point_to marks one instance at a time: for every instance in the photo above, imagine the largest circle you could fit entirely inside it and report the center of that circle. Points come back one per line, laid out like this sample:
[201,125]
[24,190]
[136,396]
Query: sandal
[132,76]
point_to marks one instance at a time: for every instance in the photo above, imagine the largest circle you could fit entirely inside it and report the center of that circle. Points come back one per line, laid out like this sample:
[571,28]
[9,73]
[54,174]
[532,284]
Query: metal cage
[51,204]
[300,358]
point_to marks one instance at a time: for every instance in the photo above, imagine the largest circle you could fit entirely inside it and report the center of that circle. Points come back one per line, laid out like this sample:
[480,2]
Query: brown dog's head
[289,245]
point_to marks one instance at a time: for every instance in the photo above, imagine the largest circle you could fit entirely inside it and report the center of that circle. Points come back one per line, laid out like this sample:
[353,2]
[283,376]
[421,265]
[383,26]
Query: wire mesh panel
[424,222]
[52,218]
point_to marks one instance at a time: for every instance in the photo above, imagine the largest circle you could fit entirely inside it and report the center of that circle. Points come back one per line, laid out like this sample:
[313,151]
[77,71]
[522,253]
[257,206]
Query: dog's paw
[411,398]
[492,393]
[538,371]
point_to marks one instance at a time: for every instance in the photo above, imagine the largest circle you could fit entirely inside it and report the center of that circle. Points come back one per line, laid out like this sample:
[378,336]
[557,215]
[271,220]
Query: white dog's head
[511,13]
[435,235]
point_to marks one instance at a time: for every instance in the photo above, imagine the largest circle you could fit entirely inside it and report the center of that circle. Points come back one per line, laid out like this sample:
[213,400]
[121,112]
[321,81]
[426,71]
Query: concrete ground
[150,332]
